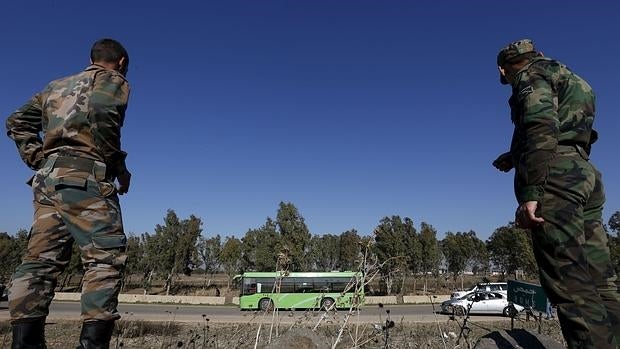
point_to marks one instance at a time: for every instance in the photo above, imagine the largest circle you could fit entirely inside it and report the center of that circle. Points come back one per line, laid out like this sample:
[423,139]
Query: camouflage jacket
[80,115]
[550,106]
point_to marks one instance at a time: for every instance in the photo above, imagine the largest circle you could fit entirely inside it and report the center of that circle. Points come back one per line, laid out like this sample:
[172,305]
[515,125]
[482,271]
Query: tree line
[402,253]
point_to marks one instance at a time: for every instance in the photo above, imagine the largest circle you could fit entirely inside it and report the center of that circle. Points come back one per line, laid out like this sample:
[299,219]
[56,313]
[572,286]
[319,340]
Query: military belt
[95,167]
[76,163]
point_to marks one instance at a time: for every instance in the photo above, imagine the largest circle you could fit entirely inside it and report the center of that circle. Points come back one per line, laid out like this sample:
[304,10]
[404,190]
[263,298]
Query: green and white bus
[300,290]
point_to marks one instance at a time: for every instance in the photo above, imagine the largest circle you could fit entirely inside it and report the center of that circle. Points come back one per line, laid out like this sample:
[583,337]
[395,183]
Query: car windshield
[468,296]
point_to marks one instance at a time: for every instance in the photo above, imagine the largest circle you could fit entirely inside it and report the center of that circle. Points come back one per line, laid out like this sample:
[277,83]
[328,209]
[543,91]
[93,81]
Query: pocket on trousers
[107,189]
[74,182]
[109,241]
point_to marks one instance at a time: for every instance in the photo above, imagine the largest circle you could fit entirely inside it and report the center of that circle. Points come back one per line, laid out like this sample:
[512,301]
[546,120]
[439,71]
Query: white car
[481,303]
[491,286]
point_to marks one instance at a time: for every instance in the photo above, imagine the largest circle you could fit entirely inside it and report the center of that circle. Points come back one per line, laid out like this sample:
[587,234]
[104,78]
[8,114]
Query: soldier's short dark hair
[108,50]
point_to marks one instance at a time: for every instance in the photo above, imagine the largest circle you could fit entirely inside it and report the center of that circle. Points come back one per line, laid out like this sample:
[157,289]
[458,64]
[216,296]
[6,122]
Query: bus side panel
[249,302]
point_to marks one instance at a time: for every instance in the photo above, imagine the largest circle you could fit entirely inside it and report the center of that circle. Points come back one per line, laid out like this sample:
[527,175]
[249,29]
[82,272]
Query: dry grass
[144,334]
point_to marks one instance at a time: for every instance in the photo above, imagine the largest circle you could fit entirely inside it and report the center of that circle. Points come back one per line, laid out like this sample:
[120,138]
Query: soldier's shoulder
[551,68]
[110,75]
[542,69]
[65,81]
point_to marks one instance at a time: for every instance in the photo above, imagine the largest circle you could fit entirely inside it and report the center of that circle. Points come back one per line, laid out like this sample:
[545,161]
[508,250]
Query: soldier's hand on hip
[124,180]
[504,162]
[525,217]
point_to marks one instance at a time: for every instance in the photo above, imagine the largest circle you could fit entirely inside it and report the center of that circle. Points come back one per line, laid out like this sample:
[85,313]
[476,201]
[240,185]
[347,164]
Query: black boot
[29,334]
[96,334]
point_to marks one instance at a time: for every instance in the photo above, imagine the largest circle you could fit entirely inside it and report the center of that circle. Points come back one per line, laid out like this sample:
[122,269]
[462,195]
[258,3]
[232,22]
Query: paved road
[232,314]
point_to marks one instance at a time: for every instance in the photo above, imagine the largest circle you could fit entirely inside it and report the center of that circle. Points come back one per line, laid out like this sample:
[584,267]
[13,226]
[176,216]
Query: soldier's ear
[122,65]
[502,71]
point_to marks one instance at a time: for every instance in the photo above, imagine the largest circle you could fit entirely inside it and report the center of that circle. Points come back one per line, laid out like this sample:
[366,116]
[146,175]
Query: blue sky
[351,110]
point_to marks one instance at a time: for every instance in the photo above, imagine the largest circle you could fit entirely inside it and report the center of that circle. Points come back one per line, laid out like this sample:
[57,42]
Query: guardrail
[207,300]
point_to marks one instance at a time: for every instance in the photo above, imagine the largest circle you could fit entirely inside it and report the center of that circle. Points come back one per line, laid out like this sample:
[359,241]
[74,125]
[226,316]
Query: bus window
[321,285]
[266,285]
[287,285]
[249,286]
[303,285]
[338,284]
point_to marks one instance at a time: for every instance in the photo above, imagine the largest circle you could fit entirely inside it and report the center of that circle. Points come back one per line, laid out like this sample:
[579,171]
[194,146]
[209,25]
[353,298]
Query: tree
[460,251]
[12,249]
[259,248]
[392,238]
[135,253]
[614,251]
[149,262]
[324,252]
[6,249]
[209,251]
[510,248]
[175,243]
[231,257]
[429,249]
[294,235]
[455,254]
[74,267]
[187,252]
[614,223]
[165,242]
[480,261]
[349,250]
[414,251]
[614,241]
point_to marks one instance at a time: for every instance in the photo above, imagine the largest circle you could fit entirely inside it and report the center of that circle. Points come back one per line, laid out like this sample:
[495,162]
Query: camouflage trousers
[72,202]
[572,253]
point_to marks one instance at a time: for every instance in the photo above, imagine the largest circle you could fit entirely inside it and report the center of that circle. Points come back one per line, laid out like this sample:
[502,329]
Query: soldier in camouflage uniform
[69,133]
[560,193]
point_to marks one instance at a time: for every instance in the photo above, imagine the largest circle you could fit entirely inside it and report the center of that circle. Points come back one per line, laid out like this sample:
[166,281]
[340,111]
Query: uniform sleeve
[24,126]
[540,126]
[108,103]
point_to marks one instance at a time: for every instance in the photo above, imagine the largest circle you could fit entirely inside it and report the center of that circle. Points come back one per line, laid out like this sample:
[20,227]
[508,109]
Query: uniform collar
[526,67]
[95,67]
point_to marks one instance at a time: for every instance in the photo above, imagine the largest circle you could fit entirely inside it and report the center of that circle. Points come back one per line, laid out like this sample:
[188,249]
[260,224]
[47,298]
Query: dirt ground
[141,334]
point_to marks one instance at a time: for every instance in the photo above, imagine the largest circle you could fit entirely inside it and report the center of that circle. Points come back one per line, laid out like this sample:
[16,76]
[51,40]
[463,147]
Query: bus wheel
[326,304]
[265,304]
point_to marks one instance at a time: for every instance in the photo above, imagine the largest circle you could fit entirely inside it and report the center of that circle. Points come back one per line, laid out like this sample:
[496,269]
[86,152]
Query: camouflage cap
[514,49]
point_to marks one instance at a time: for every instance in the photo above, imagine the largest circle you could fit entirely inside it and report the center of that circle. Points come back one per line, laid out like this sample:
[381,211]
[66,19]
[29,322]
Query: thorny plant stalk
[304,316]
[386,332]
[205,330]
[443,340]
[257,335]
[368,273]
[282,266]
[358,284]
[4,339]
[464,329]
[358,289]
[124,326]
[164,343]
